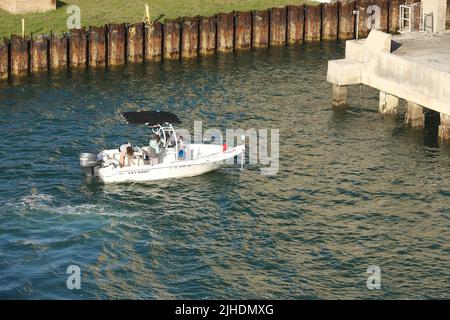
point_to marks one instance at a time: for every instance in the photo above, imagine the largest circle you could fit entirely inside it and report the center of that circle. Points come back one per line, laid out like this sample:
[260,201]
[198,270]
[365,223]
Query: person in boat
[170,140]
[154,148]
[126,150]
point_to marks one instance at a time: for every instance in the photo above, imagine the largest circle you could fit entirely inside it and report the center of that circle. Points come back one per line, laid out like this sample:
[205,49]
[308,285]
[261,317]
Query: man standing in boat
[154,148]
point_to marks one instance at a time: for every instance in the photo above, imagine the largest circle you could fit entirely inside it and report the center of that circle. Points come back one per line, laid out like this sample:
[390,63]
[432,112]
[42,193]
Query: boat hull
[154,173]
[176,169]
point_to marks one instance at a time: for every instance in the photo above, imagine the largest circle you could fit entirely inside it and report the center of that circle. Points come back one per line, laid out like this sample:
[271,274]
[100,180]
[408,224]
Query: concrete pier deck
[424,48]
[414,67]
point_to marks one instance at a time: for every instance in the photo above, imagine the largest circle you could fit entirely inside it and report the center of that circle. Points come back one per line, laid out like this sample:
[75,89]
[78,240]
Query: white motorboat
[175,160]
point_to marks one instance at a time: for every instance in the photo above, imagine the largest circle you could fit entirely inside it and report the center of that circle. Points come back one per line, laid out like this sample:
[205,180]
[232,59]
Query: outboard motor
[89,163]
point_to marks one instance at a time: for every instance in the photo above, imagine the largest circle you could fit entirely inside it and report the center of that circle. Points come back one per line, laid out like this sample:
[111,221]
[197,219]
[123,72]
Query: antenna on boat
[119,113]
[243,153]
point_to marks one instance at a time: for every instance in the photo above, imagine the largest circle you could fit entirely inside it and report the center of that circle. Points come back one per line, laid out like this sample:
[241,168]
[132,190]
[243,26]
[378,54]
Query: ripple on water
[352,189]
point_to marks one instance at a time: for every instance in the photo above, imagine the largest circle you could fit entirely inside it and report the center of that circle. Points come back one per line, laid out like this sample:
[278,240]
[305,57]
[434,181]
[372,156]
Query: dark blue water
[353,189]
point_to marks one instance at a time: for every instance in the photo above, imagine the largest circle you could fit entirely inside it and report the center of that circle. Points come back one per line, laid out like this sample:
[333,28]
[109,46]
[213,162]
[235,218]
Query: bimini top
[150,118]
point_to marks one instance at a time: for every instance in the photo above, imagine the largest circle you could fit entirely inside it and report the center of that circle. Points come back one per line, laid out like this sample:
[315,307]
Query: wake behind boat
[167,156]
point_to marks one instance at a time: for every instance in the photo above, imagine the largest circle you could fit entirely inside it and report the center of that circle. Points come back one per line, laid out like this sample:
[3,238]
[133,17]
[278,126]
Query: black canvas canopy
[150,118]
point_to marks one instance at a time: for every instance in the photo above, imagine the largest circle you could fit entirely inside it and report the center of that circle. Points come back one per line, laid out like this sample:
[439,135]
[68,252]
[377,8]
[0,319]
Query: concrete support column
[388,104]
[339,97]
[414,115]
[444,128]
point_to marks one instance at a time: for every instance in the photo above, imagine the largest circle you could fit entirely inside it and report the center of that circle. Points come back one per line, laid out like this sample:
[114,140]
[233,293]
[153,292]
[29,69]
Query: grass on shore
[97,12]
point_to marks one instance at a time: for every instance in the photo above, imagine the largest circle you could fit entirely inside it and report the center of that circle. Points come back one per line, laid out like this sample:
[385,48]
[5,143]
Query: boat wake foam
[48,203]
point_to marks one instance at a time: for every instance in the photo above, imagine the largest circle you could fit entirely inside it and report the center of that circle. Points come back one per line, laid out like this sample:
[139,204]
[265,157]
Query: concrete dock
[414,67]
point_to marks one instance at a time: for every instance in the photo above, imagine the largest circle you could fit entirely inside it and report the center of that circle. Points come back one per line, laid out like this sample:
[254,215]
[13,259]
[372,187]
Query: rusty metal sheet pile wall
[207,28]
[4,63]
[243,34]
[260,29]
[394,14]
[447,25]
[384,13]
[97,46]
[116,44]
[346,20]
[39,53]
[19,55]
[153,41]
[362,6]
[77,48]
[278,26]
[189,37]
[313,23]
[295,24]
[330,21]
[58,51]
[172,39]
[135,43]
[225,32]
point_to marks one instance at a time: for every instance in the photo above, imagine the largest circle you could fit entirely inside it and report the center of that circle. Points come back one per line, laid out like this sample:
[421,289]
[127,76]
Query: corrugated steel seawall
[189,37]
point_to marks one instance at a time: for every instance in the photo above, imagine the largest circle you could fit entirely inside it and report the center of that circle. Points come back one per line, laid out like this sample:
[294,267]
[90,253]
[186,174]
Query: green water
[353,189]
